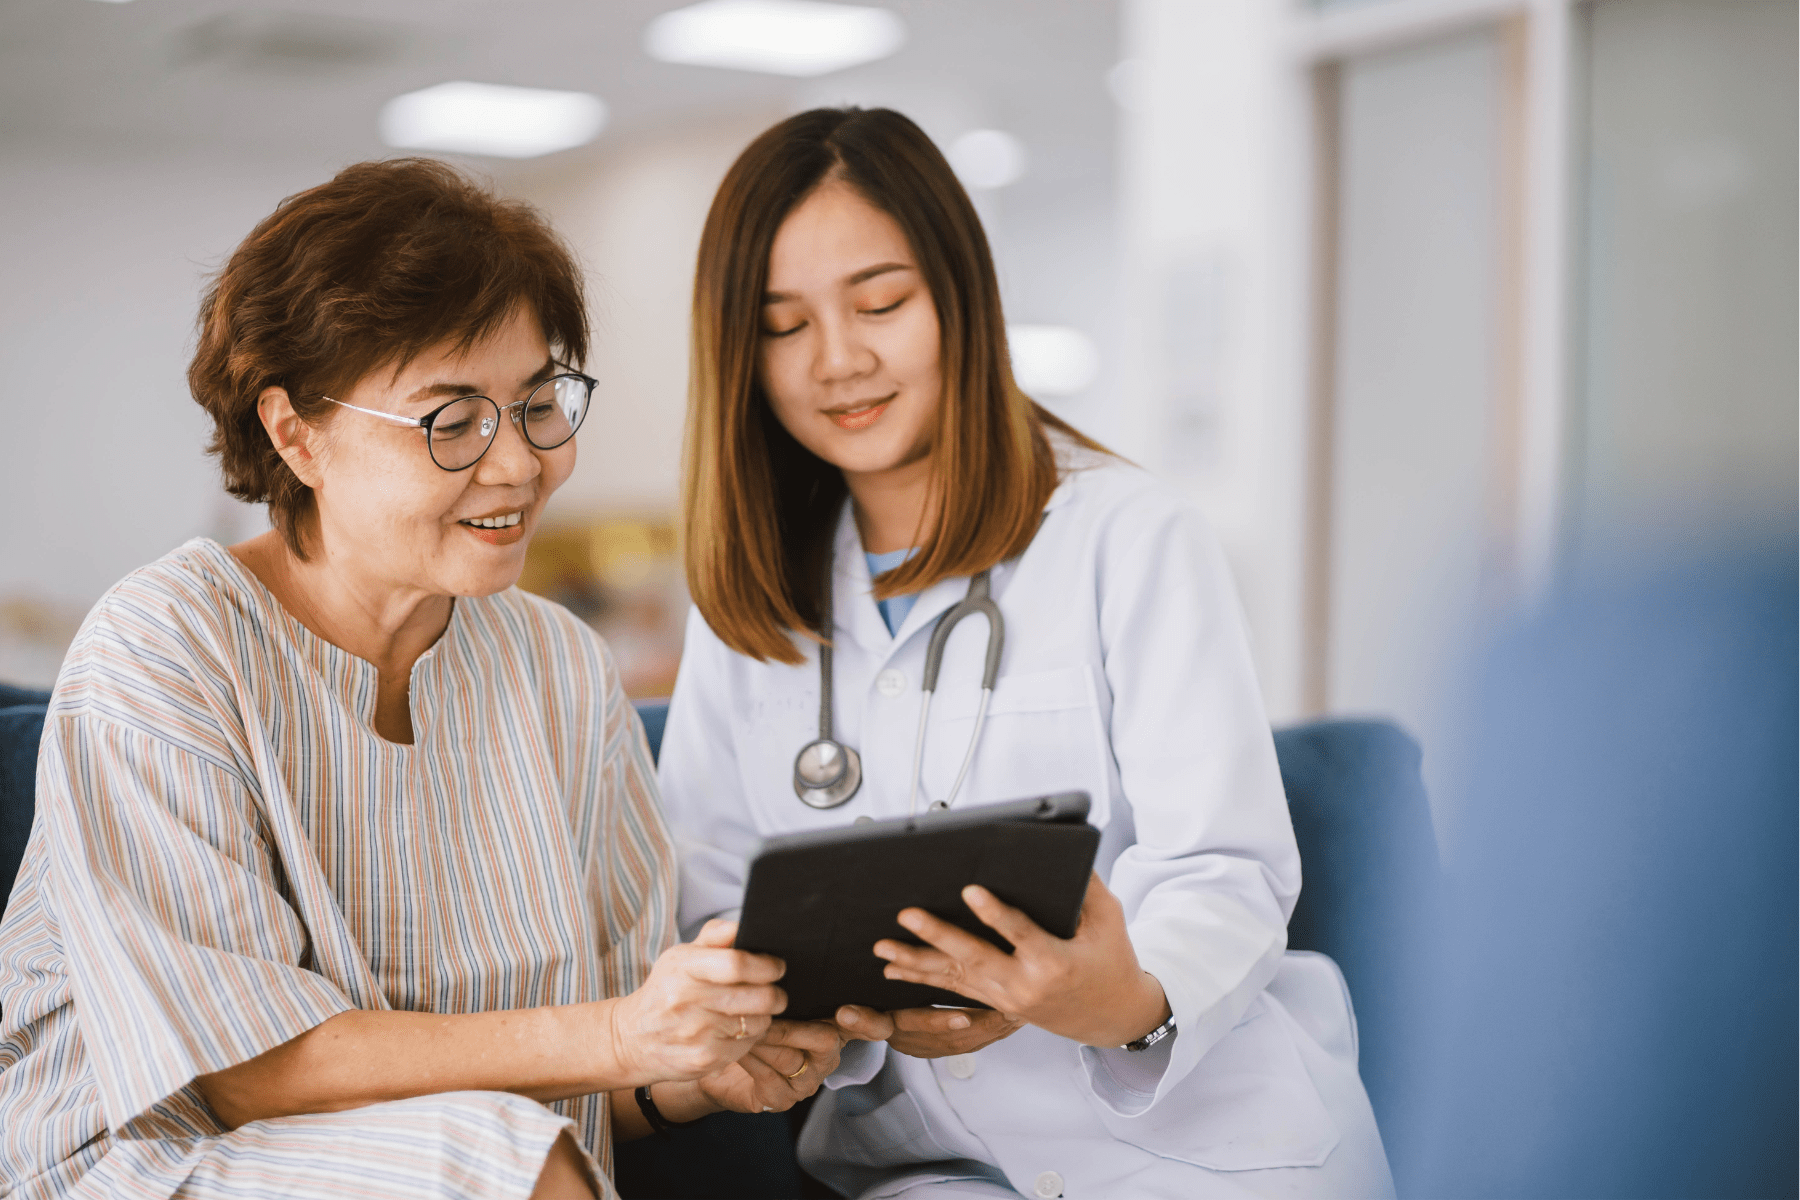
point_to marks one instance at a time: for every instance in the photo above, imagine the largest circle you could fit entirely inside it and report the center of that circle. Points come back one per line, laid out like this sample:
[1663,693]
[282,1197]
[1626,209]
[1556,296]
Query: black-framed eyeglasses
[458,433]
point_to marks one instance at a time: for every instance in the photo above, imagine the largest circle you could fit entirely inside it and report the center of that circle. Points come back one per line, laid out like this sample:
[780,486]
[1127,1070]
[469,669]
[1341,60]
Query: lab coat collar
[854,595]
[853,587]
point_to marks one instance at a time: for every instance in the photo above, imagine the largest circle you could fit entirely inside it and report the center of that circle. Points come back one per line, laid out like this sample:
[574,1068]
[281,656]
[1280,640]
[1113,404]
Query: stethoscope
[827,772]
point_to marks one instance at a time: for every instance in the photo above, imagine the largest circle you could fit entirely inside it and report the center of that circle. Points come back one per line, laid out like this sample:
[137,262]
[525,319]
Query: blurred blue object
[1613,1008]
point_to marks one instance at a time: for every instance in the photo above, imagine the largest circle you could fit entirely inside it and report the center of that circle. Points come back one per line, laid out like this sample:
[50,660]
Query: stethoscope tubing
[848,780]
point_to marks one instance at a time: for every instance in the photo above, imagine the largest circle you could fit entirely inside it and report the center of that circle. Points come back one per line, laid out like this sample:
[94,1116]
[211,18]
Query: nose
[511,460]
[841,354]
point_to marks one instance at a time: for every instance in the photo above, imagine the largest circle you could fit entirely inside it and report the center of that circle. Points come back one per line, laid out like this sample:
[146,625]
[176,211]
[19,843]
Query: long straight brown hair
[759,509]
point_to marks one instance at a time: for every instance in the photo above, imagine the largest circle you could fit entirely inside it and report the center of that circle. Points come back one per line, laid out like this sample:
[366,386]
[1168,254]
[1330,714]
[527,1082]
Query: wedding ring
[799,1073]
[743,1029]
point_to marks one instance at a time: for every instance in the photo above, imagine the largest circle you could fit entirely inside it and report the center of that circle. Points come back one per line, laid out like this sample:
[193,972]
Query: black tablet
[821,900]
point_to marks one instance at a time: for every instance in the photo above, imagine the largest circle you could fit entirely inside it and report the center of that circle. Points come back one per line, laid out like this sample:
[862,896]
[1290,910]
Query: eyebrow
[454,391]
[862,276]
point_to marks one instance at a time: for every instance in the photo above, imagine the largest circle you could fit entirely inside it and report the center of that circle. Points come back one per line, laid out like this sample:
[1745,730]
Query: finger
[918,958]
[933,1020]
[744,1000]
[771,1088]
[947,937]
[865,1023]
[732,966]
[813,1036]
[716,932]
[784,1060]
[1003,918]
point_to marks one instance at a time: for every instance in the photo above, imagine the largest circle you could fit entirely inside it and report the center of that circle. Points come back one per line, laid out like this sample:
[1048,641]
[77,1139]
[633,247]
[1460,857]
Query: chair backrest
[21,729]
[1370,871]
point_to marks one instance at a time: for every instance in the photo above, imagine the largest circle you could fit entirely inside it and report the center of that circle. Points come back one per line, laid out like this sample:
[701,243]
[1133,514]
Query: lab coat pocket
[1043,734]
[1249,1104]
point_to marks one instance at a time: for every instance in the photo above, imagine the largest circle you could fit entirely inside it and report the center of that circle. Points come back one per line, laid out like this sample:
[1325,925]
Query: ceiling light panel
[778,37]
[486,118]
[987,158]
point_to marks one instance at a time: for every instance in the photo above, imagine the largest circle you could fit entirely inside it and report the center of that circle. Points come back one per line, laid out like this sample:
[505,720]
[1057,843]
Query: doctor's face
[849,346]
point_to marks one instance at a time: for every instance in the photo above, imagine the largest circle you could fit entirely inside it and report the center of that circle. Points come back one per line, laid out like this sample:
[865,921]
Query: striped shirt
[226,854]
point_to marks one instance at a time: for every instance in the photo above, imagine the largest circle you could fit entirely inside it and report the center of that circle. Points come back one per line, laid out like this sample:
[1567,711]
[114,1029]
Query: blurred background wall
[1427,302]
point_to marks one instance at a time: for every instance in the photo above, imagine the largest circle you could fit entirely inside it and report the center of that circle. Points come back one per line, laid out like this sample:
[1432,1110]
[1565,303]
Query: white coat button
[890,683]
[962,1066]
[1048,1185]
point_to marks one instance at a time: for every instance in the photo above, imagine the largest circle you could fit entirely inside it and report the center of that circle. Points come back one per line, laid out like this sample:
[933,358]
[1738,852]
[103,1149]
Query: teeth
[501,522]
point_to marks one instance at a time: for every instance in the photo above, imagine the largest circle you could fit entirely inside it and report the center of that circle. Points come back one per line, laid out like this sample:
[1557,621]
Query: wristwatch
[1154,1036]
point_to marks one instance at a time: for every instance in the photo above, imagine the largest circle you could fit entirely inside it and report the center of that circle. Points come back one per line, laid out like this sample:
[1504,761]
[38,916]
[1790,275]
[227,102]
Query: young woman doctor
[859,461]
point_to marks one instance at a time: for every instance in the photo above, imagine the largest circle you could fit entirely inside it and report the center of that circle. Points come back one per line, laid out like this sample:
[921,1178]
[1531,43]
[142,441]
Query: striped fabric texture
[226,854]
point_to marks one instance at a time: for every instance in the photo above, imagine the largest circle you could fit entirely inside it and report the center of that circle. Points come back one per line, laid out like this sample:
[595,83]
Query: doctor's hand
[929,1032]
[1088,988]
[703,1007]
[785,1067]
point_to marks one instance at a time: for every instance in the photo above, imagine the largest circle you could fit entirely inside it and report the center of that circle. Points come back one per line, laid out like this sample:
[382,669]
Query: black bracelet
[660,1125]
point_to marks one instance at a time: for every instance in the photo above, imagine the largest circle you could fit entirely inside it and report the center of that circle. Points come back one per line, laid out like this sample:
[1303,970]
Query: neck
[891,507]
[386,625]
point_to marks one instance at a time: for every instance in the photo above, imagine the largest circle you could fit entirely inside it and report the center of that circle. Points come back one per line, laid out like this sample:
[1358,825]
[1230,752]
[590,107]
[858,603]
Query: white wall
[104,463]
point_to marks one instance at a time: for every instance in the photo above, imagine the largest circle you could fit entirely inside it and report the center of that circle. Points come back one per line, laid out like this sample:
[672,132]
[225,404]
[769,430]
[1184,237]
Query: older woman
[348,876]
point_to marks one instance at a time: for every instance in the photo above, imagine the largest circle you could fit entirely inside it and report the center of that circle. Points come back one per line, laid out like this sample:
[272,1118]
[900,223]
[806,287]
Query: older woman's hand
[785,1067]
[704,1007]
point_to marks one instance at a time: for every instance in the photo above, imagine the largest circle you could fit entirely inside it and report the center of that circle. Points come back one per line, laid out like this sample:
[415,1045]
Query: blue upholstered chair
[21,727]
[1365,839]
[1371,867]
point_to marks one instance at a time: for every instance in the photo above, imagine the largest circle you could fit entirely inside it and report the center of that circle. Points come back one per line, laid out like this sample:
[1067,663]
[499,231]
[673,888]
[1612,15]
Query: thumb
[717,933]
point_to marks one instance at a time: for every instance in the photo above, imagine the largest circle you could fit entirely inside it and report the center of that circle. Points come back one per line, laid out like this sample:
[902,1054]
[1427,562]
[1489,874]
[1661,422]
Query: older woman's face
[389,513]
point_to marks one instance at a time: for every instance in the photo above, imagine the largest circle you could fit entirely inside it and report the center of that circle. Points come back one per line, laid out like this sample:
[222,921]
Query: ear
[297,442]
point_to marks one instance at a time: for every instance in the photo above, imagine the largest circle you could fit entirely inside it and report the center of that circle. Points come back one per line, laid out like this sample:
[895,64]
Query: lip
[505,536]
[860,415]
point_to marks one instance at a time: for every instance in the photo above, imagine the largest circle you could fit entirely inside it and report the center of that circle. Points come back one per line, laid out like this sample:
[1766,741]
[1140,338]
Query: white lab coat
[1126,674]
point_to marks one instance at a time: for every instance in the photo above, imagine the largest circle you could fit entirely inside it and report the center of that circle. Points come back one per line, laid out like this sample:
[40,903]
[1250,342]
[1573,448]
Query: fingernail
[974,893]
[959,1022]
[890,973]
[909,920]
[884,952]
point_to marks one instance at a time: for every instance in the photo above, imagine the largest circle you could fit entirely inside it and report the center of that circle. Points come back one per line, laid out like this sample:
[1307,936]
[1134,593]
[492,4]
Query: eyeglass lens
[462,431]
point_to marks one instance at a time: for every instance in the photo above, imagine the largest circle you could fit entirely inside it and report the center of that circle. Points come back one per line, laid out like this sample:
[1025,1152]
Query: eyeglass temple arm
[415,422]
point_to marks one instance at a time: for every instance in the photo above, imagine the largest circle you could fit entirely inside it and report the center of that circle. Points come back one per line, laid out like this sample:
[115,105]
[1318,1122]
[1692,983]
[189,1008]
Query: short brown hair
[758,508]
[366,271]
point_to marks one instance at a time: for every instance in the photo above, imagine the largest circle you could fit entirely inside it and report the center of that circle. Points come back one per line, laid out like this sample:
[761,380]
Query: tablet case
[821,900]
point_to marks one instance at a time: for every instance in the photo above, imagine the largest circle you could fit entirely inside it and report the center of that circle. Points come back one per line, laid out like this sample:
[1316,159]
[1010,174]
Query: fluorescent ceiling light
[987,158]
[486,118]
[780,37]
[1051,360]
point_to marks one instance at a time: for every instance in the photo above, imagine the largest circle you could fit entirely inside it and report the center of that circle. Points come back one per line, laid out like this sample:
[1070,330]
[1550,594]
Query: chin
[879,450]
[474,578]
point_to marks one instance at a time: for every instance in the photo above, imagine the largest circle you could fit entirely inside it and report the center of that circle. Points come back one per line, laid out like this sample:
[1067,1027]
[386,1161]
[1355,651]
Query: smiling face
[388,514]
[849,354]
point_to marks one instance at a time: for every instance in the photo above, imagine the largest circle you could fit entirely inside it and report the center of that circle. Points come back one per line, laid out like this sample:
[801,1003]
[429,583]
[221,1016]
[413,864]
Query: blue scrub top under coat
[893,612]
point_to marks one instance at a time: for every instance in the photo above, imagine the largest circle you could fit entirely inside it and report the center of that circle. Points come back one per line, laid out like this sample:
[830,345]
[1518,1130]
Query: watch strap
[660,1125]
[1154,1036]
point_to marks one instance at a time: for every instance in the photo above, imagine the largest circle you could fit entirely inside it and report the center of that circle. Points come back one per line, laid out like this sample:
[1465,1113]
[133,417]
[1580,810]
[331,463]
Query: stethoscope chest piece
[826,773]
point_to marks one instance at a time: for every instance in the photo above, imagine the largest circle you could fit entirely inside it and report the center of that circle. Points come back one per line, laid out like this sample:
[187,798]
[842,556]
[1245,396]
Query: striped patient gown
[225,854]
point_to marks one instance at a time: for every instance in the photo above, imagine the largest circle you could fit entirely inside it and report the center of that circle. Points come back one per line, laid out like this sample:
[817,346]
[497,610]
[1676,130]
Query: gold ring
[743,1029]
[799,1073]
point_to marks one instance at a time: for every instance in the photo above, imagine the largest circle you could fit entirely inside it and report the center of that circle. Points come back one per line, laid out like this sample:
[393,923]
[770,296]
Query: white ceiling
[306,79]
